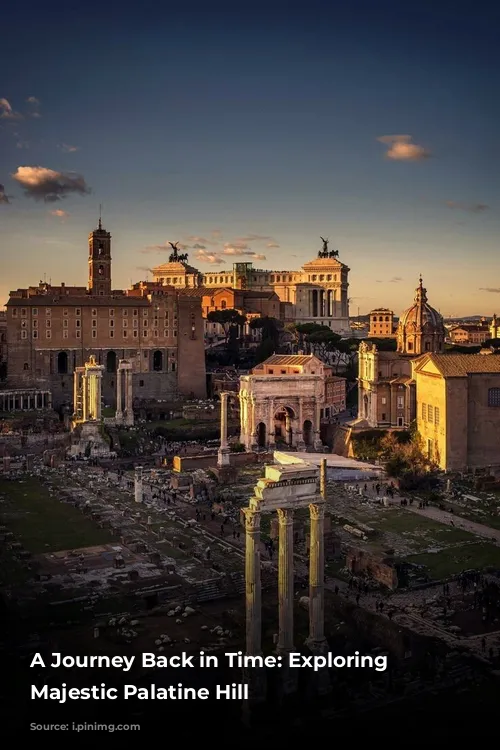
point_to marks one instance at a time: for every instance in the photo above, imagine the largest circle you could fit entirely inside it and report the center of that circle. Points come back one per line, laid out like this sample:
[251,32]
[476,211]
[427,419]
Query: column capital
[317,511]
[285,516]
[252,520]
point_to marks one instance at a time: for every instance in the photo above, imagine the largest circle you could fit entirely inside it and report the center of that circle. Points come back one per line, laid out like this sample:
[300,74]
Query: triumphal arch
[284,489]
[281,402]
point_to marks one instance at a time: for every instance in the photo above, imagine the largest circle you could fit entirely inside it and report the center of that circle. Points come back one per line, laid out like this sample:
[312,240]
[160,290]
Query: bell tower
[100,261]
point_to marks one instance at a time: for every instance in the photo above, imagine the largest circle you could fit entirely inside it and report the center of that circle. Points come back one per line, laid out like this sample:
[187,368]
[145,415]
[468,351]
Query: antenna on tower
[100,215]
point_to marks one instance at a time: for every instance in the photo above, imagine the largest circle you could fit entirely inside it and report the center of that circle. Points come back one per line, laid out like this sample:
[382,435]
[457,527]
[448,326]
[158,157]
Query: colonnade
[25,400]
[323,303]
[253,590]
[87,386]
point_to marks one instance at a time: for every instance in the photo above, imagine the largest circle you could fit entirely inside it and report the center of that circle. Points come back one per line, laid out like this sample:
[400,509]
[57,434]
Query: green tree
[227,319]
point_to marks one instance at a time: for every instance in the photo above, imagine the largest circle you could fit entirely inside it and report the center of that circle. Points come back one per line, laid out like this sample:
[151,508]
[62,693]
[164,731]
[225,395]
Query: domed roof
[421,316]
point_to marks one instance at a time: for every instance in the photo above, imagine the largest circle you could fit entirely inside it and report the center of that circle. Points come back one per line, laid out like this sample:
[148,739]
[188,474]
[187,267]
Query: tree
[227,319]
[270,328]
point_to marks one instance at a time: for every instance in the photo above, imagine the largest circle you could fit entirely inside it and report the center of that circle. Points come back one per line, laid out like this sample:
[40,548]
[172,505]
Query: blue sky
[254,132]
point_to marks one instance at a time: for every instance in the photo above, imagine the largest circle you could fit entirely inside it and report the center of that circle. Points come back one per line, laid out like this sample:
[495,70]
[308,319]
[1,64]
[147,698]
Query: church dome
[421,328]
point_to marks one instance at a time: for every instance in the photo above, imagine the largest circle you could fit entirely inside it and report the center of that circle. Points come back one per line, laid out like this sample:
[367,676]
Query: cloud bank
[48,185]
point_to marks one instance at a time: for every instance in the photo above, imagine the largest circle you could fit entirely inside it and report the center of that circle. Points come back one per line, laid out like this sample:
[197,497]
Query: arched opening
[158,361]
[308,432]
[283,425]
[62,363]
[26,366]
[111,362]
[261,435]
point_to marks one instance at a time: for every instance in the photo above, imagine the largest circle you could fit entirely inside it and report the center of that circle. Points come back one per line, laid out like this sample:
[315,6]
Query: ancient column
[322,479]
[317,426]
[271,424]
[138,484]
[255,677]
[119,397]
[130,396]
[285,580]
[224,452]
[317,575]
[252,582]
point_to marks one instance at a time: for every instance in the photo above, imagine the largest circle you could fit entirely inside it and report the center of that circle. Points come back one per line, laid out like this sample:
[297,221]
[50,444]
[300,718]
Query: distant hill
[467,319]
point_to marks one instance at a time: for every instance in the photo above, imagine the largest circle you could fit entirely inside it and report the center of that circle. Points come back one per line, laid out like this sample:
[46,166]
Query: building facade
[386,389]
[471,335]
[381,323]
[317,293]
[282,401]
[52,330]
[458,409]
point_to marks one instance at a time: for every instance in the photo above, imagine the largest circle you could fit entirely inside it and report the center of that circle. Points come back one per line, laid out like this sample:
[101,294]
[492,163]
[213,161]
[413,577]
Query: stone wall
[358,561]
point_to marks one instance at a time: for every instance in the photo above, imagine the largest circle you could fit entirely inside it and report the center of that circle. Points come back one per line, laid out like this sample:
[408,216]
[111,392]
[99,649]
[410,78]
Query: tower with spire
[100,260]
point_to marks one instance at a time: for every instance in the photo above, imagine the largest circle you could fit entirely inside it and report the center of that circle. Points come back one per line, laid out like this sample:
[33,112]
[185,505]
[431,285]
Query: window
[48,334]
[134,312]
[111,312]
[78,323]
[383,417]
[124,313]
[141,383]
[135,333]
[124,334]
[14,313]
[125,323]
[48,323]
[410,346]
[48,311]
[24,334]
[65,311]
[94,313]
[144,313]
[384,400]
[401,402]
[94,324]
[35,311]
[94,334]
[145,323]
[436,416]
[424,412]
[65,323]
[78,312]
[166,333]
[35,334]
[111,334]
[23,312]
[111,323]
[65,334]
[62,363]
[430,413]
[493,396]
[78,333]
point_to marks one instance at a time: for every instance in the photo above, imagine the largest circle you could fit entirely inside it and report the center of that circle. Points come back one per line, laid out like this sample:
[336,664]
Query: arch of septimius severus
[287,408]
[284,489]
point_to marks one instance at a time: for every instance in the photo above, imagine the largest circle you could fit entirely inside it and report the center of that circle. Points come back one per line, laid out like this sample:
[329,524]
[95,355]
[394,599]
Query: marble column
[252,583]
[271,427]
[317,574]
[285,580]
[255,678]
[224,452]
[322,479]
[138,485]
[130,398]
[318,445]
[119,396]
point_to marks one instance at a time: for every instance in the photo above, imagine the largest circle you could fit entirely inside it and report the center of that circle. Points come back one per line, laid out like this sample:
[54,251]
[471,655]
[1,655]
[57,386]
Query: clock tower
[100,261]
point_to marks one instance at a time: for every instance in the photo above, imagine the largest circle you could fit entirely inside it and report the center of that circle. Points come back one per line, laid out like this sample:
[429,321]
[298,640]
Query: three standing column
[253,594]
[285,580]
[317,575]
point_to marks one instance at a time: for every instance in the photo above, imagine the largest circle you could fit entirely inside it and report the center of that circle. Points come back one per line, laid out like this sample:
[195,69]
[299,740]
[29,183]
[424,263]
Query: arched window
[101,270]
[158,361]
[493,396]
[111,362]
[26,366]
[62,363]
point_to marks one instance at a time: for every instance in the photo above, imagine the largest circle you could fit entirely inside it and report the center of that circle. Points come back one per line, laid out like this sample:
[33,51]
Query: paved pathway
[450,519]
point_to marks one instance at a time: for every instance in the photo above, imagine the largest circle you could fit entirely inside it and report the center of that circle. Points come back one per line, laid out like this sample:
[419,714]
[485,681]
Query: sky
[245,134]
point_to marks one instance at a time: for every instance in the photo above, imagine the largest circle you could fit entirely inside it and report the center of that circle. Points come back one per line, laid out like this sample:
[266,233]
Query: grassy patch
[455,559]
[44,524]
[401,522]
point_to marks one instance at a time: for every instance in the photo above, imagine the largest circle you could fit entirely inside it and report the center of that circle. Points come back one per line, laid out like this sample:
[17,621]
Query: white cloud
[59,213]
[34,106]
[67,149]
[272,244]
[6,111]
[401,148]
[213,259]
[49,185]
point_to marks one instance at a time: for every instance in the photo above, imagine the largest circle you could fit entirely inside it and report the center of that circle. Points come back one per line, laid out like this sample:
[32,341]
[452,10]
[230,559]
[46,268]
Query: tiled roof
[461,365]
[289,359]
